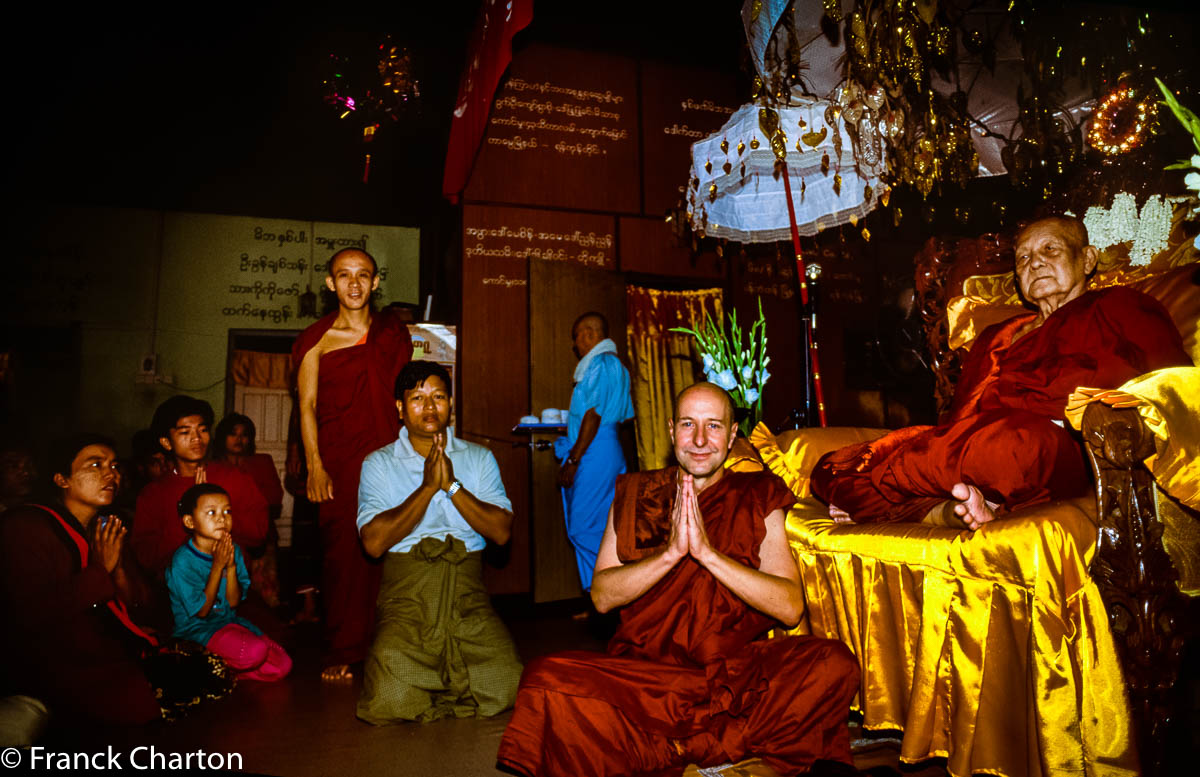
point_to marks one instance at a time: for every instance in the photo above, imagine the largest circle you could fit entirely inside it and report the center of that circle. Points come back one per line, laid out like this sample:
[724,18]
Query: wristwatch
[454,486]
[573,461]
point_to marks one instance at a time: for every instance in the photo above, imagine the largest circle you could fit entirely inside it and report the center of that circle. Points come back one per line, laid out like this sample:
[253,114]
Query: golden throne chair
[1045,643]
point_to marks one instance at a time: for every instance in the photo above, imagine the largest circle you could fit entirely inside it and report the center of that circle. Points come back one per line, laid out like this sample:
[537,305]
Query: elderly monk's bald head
[702,428]
[1053,262]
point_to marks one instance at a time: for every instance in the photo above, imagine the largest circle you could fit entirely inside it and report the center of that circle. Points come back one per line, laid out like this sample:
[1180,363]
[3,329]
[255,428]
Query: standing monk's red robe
[688,677]
[1000,435]
[158,530]
[356,414]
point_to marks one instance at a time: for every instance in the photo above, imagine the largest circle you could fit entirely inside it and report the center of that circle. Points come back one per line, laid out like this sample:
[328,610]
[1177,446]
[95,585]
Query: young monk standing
[346,366]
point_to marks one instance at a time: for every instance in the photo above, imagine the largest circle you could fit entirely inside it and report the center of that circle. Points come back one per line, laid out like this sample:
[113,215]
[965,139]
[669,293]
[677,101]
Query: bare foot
[974,510]
[839,515]
[337,673]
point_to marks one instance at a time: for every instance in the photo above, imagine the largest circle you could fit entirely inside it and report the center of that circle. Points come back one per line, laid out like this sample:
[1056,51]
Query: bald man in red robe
[346,366]
[698,559]
[1003,445]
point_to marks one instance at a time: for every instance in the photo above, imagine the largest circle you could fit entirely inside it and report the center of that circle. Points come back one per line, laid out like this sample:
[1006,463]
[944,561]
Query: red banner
[487,58]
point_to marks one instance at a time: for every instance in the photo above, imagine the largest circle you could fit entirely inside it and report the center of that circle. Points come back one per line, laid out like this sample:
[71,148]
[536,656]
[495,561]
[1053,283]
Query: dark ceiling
[220,110]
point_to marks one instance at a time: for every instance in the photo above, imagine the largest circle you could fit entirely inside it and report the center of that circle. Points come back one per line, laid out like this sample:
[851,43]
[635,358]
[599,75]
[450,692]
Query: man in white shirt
[431,501]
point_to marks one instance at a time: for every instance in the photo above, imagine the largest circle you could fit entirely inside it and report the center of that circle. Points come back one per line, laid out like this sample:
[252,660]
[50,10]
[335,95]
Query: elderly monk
[1002,445]
[698,559]
[346,365]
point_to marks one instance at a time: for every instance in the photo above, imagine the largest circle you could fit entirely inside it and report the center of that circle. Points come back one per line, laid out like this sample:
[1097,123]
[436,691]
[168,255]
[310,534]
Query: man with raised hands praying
[697,558]
[430,502]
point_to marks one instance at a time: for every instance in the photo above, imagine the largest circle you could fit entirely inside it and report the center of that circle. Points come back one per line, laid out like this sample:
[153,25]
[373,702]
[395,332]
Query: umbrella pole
[809,311]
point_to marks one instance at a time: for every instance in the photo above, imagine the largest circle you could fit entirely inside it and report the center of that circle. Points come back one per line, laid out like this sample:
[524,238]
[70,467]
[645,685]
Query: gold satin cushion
[990,299]
[793,453]
[990,648]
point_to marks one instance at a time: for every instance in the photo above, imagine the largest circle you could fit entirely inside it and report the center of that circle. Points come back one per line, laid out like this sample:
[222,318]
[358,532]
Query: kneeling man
[431,501]
[698,558]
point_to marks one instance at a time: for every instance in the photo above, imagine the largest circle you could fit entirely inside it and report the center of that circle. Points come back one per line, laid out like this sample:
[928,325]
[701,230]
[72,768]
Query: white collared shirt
[391,474]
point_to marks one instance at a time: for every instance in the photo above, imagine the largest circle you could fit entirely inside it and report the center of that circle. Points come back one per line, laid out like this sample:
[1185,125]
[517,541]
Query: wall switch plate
[147,370]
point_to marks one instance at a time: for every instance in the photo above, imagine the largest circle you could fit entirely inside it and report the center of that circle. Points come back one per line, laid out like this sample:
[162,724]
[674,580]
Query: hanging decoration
[374,89]
[892,50]
[741,195]
[1121,122]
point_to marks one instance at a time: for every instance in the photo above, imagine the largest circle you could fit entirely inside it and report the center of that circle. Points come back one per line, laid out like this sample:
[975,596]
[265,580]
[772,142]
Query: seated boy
[181,425]
[207,579]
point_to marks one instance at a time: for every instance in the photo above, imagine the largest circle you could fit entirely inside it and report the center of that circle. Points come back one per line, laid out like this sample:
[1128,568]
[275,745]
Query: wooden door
[558,293]
[270,410]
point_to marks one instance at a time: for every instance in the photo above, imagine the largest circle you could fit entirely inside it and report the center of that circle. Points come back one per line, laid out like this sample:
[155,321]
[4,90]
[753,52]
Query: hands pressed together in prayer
[223,557]
[439,471]
[688,537]
[108,541]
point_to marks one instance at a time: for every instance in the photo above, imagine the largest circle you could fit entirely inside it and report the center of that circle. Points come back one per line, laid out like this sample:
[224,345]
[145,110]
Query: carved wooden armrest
[1134,573]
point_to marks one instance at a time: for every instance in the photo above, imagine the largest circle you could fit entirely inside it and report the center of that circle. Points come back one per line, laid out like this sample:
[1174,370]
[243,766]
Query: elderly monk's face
[1051,269]
[425,410]
[702,432]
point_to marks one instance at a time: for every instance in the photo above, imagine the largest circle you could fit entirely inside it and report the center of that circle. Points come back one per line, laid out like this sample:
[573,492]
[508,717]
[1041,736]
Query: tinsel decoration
[377,88]
[891,49]
[1121,122]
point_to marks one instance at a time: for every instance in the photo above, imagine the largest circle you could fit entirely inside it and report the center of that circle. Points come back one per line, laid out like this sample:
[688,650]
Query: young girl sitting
[207,578]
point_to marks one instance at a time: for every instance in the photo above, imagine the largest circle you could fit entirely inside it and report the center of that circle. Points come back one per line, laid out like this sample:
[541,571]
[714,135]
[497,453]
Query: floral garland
[735,362]
[1148,232]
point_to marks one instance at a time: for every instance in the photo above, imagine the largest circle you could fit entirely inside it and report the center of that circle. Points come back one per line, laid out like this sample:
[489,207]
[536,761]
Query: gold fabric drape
[664,362]
[261,370]
[990,649]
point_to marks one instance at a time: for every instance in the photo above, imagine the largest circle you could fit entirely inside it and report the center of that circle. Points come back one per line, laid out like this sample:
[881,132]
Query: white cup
[551,416]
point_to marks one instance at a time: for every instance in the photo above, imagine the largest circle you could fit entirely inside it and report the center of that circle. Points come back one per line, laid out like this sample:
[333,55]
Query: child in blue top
[207,579]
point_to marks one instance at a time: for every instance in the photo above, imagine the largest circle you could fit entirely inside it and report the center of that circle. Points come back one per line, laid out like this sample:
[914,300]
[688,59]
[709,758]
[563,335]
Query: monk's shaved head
[705,387]
[1072,229]
[346,253]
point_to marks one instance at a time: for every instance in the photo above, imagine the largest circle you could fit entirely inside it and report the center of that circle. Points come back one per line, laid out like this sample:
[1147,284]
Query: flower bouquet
[1190,123]
[735,362]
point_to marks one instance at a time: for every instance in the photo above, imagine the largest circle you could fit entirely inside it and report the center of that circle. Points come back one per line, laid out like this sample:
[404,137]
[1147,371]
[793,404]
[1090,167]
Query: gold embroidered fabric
[991,649]
[663,362]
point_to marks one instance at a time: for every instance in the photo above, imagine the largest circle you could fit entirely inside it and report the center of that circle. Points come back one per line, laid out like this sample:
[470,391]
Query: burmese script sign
[492,232]
[562,132]
[246,272]
[680,105]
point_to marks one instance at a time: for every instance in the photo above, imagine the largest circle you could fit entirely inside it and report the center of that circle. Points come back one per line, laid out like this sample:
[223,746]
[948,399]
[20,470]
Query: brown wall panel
[562,133]
[648,247]
[764,271]
[558,294]
[506,570]
[680,105]
[496,232]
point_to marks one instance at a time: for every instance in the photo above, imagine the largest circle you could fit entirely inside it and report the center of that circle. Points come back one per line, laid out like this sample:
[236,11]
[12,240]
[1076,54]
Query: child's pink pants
[252,656]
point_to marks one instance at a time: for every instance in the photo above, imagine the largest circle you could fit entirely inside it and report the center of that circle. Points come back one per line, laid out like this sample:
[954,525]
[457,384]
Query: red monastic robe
[64,645]
[688,677]
[356,414]
[158,530]
[1000,434]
